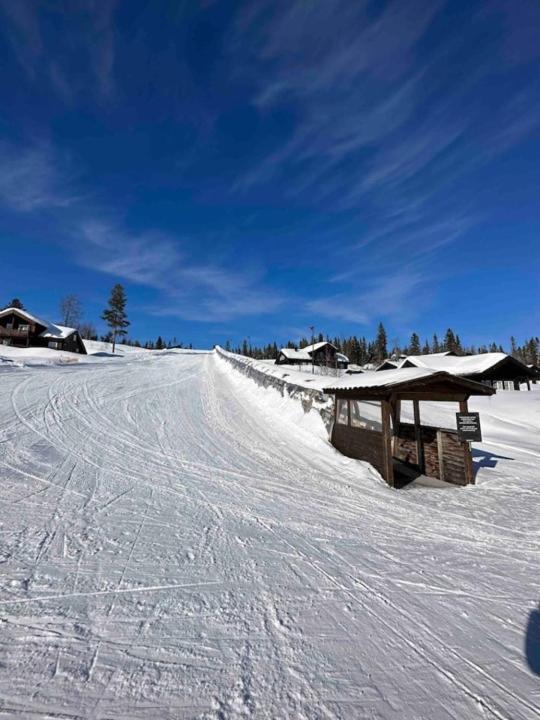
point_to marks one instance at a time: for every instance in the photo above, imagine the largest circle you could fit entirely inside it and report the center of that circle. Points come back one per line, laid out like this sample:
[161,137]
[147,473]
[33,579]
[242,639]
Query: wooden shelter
[367,424]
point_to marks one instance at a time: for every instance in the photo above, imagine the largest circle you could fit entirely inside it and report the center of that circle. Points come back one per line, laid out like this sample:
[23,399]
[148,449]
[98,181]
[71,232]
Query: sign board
[468,426]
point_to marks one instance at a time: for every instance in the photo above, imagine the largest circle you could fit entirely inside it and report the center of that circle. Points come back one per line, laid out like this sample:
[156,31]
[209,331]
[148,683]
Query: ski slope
[176,542]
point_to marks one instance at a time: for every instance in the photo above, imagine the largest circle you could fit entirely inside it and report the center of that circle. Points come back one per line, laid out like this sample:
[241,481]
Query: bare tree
[70,310]
[87,331]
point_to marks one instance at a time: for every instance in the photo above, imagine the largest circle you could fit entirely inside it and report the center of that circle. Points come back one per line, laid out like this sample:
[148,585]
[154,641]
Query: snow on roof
[466,365]
[27,315]
[353,368]
[317,346]
[59,332]
[292,354]
[383,378]
[341,357]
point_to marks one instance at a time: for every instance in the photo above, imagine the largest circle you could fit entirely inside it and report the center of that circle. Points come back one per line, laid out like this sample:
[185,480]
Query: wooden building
[368,426]
[21,329]
[497,370]
[321,353]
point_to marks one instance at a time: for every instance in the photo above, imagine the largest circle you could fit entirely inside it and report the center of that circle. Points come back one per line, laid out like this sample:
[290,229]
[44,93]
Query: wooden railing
[13,333]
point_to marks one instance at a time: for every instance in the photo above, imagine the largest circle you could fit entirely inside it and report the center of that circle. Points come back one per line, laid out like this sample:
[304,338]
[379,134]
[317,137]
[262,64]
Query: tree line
[362,351]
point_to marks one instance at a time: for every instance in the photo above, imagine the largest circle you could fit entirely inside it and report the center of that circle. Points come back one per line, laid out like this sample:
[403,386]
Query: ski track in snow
[174,545]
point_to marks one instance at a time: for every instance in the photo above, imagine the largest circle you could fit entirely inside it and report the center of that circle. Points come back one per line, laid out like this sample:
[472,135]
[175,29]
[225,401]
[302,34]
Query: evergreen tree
[16,303]
[115,314]
[426,349]
[159,343]
[449,344]
[435,345]
[380,349]
[414,345]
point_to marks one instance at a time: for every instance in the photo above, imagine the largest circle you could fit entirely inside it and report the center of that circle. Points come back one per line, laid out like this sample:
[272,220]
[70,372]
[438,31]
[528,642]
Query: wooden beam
[395,403]
[388,462]
[418,437]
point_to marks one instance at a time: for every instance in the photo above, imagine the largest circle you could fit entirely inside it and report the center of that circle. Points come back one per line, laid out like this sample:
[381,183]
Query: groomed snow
[177,542]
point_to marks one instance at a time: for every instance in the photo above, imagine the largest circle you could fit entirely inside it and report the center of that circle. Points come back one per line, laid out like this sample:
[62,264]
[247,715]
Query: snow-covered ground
[178,542]
[35,356]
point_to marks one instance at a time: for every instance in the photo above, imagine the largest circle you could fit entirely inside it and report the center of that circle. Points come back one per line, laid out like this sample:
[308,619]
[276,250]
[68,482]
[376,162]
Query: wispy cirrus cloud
[31,179]
[202,292]
[71,48]
[35,180]
[383,129]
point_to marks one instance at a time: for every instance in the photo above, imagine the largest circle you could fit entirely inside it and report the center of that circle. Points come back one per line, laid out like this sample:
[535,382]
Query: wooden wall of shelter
[397,446]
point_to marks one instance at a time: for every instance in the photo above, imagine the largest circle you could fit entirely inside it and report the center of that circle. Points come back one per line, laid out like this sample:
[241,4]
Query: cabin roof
[317,346]
[466,365]
[380,384]
[292,354]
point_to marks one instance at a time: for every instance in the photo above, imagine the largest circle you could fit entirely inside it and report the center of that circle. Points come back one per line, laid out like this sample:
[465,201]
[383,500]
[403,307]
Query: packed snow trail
[174,546]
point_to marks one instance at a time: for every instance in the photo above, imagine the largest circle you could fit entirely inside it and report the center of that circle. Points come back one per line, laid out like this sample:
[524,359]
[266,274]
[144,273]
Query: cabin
[321,353]
[19,328]
[368,424]
[494,369]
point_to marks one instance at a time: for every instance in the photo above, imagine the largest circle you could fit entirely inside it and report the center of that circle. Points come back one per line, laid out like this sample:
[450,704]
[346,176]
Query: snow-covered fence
[311,399]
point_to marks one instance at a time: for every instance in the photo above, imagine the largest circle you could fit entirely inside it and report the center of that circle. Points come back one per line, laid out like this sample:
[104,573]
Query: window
[365,415]
[342,412]
[24,328]
[53,345]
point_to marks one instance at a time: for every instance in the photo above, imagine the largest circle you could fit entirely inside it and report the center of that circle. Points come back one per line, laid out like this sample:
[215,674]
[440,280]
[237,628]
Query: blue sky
[255,168]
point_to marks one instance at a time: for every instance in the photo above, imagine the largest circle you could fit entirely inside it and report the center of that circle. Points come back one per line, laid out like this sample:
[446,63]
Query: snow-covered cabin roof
[57,332]
[393,379]
[60,332]
[318,346]
[466,365]
[388,365]
[292,354]
[31,318]
[341,357]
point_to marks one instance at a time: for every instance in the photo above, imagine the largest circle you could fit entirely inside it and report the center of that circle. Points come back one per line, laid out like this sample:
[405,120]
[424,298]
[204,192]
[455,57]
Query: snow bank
[306,392]
[95,346]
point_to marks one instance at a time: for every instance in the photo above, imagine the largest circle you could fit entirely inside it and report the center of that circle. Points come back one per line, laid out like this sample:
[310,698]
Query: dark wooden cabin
[19,328]
[401,451]
[321,353]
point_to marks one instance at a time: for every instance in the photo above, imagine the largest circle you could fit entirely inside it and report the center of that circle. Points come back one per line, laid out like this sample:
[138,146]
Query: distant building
[494,369]
[21,329]
[321,353]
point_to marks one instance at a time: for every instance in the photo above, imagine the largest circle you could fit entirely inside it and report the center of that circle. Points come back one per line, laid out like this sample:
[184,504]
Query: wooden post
[440,452]
[418,437]
[396,418]
[388,463]
[469,471]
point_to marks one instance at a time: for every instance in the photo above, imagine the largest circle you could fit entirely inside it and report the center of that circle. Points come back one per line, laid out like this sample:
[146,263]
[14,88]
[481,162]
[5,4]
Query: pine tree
[159,343]
[414,346]
[16,303]
[115,315]
[380,349]
[435,345]
[449,341]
